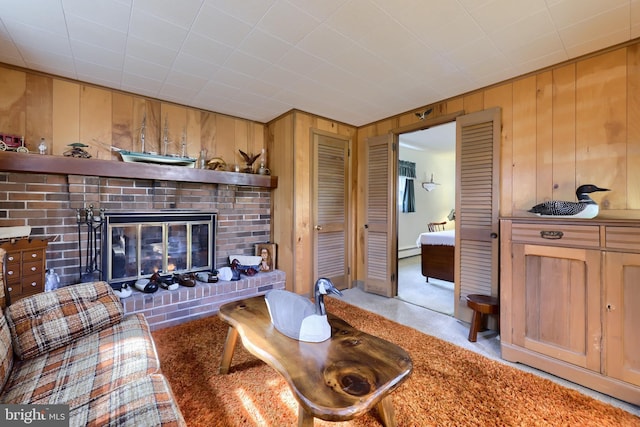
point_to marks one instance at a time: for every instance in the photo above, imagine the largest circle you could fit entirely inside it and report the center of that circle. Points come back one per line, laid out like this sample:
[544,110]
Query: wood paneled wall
[572,124]
[35,105]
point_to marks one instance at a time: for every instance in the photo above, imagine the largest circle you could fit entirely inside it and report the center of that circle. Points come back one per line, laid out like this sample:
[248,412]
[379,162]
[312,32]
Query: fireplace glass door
[138,246]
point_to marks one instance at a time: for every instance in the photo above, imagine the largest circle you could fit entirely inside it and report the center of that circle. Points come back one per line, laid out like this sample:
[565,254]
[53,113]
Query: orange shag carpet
[449,386]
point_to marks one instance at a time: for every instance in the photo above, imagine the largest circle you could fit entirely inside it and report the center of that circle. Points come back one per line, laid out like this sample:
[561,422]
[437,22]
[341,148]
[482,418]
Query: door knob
[318,227]
[494,235]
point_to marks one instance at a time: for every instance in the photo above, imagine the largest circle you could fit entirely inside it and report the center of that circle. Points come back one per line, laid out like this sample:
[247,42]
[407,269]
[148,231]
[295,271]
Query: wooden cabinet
[25,267]
[570,293]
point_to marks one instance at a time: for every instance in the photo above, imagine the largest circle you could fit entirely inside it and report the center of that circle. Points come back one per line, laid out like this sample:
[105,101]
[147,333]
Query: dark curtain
[409,199]
[408,170]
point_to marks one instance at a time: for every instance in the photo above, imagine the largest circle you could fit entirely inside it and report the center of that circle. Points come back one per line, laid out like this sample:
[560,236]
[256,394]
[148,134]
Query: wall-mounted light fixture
[430,185]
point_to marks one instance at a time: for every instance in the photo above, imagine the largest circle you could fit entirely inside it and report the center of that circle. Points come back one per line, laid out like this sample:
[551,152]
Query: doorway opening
[433,151]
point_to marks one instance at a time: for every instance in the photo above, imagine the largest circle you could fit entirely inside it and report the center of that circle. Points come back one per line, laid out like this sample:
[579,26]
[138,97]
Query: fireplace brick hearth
[166,308]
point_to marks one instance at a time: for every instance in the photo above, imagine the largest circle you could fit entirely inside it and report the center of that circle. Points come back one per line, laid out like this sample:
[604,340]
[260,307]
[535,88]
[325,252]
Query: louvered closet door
[331,179]
[379,242]
[477,227]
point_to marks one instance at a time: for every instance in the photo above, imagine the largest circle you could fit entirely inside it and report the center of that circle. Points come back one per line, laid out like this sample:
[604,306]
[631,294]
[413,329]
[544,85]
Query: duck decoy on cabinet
[585,207]
[297,317]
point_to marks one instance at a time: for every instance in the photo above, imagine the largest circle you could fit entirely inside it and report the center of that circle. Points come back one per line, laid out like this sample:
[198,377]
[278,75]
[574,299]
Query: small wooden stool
[481,304]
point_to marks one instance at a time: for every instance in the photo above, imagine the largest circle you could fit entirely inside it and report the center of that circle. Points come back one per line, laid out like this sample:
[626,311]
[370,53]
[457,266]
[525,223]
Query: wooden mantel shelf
[35,163]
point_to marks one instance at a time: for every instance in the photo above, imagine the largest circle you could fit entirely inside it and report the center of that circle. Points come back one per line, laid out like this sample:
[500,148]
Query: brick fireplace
[48,203]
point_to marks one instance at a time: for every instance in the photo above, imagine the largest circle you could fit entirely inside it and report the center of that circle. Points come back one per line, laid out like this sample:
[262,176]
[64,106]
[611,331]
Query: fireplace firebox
[139,244]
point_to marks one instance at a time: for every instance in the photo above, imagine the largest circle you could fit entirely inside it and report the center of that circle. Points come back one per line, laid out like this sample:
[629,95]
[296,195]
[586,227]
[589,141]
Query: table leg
[227,352]
[305,419]
[386,412]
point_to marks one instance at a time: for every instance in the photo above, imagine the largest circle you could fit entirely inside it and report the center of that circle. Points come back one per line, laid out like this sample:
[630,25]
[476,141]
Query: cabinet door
[556,311]
[622,316]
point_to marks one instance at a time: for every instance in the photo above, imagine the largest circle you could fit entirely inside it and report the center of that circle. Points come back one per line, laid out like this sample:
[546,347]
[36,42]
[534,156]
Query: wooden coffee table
[335,380]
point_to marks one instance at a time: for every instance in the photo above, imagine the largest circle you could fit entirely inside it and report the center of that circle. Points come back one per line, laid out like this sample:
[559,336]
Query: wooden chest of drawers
[25,267]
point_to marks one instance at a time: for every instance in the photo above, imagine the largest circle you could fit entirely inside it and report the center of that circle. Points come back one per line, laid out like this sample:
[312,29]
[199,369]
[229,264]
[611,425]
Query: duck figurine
[585,207]
[297,317]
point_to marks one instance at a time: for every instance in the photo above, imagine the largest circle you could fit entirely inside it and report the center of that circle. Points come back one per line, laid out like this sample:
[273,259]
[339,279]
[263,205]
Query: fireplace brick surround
[48,203]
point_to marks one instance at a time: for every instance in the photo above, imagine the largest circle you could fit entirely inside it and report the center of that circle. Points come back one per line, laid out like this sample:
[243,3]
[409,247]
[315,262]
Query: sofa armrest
[49,320]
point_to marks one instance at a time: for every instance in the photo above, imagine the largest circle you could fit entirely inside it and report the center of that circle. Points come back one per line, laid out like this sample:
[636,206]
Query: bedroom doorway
[433,153]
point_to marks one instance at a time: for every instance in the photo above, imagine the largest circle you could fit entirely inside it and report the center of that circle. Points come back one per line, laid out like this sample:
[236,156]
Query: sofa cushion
[145,402]
[86,368]
[49,320]
[6,351]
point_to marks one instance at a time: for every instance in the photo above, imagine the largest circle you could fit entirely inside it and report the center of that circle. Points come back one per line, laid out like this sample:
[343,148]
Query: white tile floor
[451,329]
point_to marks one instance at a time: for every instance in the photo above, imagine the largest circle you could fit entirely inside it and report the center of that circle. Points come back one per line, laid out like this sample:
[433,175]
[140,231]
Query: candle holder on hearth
[91,219]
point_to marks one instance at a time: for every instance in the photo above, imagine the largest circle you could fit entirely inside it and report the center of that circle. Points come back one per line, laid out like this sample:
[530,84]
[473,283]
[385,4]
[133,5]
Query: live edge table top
[338,379]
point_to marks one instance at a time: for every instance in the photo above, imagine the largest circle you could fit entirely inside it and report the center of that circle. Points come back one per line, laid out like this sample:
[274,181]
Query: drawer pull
[34,284]
[552,235]
[9,288]
[34,268]
[34,255]
[10,258]
[10,273]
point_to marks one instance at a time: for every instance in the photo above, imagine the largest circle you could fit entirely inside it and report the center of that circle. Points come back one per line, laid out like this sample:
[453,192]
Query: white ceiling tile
[141,85]
[357,18]
[156,31]
[85,52]
[326,43]
[263,45]
[142,68]
[250,65]
[205,49]
[36,13]
[248,11]
[185,80]
[569,12]
[497,14]
[89,32]
[320,10]
[150,52]
[599,27]
[97,73]
[105,13]
[192,65]
[181,13]
[214,24]
[453,34]
[287,22]
[534,49]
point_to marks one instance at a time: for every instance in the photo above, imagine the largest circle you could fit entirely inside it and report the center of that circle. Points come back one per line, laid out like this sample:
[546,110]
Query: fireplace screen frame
[165,220]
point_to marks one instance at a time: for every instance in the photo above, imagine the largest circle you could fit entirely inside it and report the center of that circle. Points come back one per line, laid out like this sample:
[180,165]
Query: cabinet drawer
[626,238]
[14,290]
[13,257]
[34,267]
[32,255]
[12,273]
[32,284]
[584,236]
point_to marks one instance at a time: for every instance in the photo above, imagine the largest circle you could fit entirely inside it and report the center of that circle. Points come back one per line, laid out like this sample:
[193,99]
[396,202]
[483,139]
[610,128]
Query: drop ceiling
[355,61]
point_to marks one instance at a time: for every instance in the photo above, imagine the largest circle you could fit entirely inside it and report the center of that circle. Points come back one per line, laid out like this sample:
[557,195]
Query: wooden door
[555,303]
[331,208]
[477,207]
[622,316]
[380,243]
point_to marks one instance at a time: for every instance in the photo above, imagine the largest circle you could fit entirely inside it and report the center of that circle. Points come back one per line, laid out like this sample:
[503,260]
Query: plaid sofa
[74,346]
